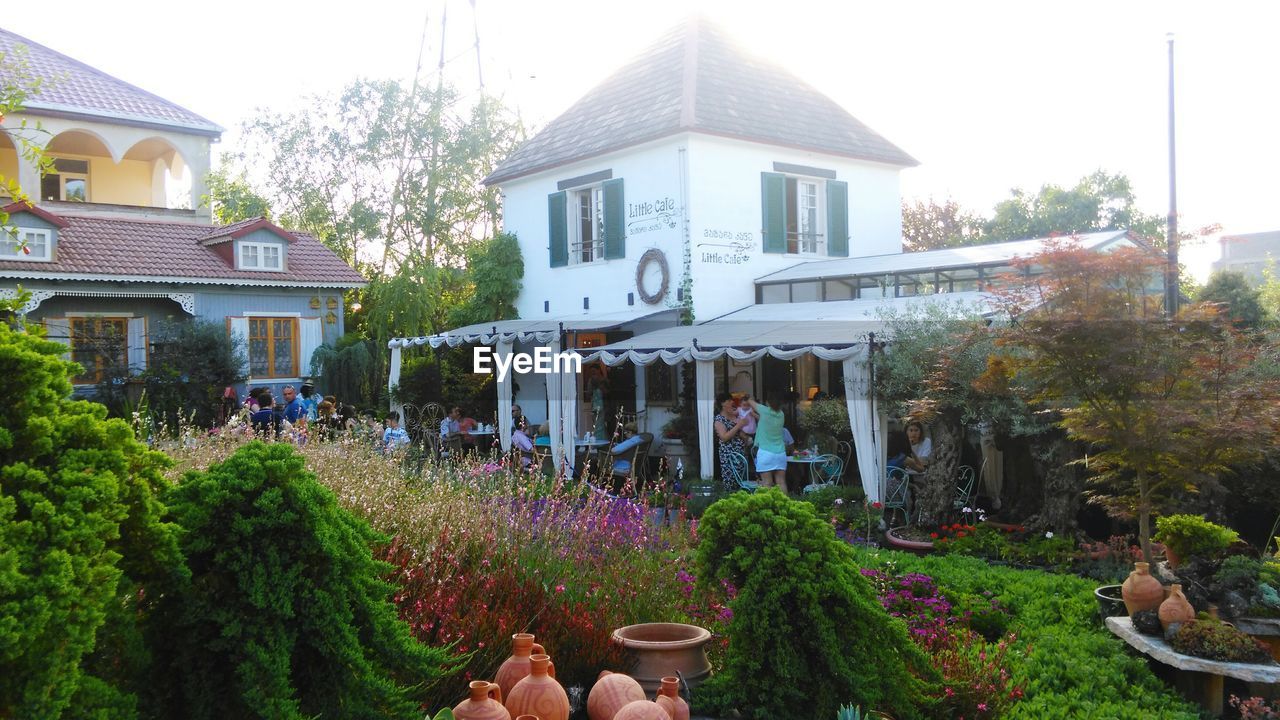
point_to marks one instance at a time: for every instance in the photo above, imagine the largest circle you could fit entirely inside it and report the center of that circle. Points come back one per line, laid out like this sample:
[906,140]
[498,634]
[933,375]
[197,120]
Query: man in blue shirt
[394,437]
[265,421]
[310,400]
[294,409]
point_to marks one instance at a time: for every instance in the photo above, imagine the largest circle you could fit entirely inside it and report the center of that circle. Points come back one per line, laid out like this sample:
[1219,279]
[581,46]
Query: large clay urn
[515,668]
[642,710]
[485,703]
[528,717]
[539,693]
[662,649]
[1141,591]
[1175,608]
[610,693]
[669,699]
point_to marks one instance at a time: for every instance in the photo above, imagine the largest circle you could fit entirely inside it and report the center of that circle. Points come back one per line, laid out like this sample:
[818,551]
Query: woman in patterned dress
[728,428]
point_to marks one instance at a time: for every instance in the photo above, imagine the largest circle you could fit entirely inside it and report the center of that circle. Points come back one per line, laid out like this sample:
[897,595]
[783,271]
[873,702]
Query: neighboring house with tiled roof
[722,164]
[112,245]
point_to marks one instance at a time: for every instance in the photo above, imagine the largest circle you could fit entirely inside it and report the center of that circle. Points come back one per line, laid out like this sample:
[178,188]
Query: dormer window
[28,244]
[267,257]
[68,181]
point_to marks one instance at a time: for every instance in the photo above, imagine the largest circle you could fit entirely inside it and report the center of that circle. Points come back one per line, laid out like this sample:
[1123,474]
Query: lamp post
[1171,226]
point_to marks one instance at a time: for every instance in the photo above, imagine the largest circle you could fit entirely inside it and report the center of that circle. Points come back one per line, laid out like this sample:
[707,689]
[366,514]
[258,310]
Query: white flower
[966,510]
[981,517]
[839,501]
[1049,535]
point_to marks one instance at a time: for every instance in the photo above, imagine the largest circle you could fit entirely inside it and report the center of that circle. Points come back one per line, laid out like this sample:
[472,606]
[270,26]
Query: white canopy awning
[542,330]
[828,330]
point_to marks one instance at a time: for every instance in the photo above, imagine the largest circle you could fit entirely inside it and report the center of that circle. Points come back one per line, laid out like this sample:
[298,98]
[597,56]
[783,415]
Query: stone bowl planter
[898,542]
[663,649]
[1110,602]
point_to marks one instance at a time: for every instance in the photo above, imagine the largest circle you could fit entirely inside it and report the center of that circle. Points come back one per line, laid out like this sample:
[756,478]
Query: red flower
[933,535]
[960,534]
[876,505]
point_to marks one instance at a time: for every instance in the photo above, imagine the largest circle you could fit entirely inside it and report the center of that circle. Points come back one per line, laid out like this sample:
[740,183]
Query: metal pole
[1171,229]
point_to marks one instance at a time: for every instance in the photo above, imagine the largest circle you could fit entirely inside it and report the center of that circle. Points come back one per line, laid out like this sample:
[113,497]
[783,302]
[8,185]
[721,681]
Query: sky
[988,96]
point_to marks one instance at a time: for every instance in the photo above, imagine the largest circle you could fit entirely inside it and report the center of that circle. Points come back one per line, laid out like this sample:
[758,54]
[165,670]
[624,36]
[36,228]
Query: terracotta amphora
[485,703]
[539,693]
[1175,608]
[528,717]
[515,668]
[1141,591]
[669,699]
[610,693]
[642,710]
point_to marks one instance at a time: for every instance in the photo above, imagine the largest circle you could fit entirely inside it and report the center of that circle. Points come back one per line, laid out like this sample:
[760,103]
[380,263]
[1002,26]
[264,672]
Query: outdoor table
[799,461]
[1198,678]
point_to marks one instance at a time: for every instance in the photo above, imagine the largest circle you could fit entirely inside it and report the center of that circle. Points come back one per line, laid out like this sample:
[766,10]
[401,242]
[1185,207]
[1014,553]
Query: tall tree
[232,198]
[18,82]
[930,225]
[1239,301]
[1167,403]
[1099,201]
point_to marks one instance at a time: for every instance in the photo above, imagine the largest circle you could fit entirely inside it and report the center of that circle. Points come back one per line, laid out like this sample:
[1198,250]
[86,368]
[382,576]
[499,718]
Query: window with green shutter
[837,218]
[557,228]
[773,200]
[805,215]
[615,225]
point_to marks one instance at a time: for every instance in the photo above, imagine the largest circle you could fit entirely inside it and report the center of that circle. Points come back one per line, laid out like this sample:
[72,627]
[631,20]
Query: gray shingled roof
[74,88]
[696,79]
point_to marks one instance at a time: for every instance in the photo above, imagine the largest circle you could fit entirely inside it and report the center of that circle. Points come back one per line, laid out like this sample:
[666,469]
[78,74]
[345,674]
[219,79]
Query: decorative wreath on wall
[652,256]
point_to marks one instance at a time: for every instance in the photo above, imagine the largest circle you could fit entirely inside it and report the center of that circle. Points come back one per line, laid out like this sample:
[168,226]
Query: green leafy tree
[494,271]
[1099,201]
[352,370]
[232,198]
[935,370]
[18,83]
[808,632]
[82,544]
[929,225]
[1240,302]
[1167,403]
[286,614]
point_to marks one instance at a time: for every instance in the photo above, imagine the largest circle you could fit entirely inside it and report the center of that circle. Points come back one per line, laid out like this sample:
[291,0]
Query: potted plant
[1191,536]
[828,419]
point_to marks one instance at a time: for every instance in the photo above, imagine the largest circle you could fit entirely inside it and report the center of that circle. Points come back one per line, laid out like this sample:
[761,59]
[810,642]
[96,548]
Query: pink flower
[560,588]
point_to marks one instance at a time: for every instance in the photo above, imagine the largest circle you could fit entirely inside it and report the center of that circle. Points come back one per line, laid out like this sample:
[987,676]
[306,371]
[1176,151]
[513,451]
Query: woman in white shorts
[771,457]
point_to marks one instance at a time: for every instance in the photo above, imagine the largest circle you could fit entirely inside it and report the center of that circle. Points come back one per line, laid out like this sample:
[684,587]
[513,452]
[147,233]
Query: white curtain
[555,416]
[868,427]
[504,399]
[240,328]
[137,344]
[569,423]
[642,407]
[705,374]
[394,379]
[310,338]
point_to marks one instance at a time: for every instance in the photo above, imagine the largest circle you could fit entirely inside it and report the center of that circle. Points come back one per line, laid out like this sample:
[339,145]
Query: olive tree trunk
[939,482]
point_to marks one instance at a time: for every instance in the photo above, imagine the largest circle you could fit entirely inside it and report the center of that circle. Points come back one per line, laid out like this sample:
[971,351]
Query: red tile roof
[98,248]
[74,87]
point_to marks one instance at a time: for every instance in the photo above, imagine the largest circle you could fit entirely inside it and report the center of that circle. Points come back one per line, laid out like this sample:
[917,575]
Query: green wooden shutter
[615,225]
[773,200]
[558,228]
[837,218]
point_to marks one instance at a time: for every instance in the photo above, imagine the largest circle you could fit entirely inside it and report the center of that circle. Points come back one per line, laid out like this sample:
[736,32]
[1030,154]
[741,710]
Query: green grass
[1076,669]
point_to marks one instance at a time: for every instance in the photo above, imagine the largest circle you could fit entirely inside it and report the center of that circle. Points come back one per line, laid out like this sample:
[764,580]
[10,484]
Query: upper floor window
[30,244]
[805,215]
[261,256]
[68,181]
[586,223]
[586,242]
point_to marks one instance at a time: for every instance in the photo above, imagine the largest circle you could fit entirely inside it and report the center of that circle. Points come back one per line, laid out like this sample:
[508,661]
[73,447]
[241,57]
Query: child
[749,427]
[394,437]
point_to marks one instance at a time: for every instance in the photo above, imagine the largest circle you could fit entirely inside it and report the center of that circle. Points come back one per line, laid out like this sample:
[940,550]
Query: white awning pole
[393,379]
[706,378]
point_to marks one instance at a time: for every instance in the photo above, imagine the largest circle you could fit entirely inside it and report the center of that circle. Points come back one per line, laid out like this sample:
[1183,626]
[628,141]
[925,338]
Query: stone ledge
[1160,650]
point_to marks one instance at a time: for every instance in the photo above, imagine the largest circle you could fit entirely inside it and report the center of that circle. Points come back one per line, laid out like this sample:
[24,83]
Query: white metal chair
[898,493]
[966,479]
[735,471]
[824,471]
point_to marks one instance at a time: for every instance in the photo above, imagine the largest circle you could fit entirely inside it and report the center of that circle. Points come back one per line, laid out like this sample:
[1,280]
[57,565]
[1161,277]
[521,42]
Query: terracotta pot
[1141,591]
[642,710]
[485,703]
[516,668]
[669,699]
[1176,609]
[911,546]
[528,717]
[1174,558]
[610,693]
[539,693]
[662,649]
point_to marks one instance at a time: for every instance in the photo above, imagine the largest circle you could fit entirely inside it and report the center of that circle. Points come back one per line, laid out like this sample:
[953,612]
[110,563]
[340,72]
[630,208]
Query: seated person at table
[788,441]
[921,448]
[524,444]
[899,451]
[518,420]
[450,424]
[394,437]
[622,459]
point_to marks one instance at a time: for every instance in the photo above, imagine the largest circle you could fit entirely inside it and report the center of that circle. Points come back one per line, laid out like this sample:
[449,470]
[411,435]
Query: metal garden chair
[735,471]
[897,494]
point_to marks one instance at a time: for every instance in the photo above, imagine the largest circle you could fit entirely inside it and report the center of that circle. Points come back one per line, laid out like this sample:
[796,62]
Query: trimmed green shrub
[808,632]
[1191,536]
[286,614]
[80,536]
[1075,669]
